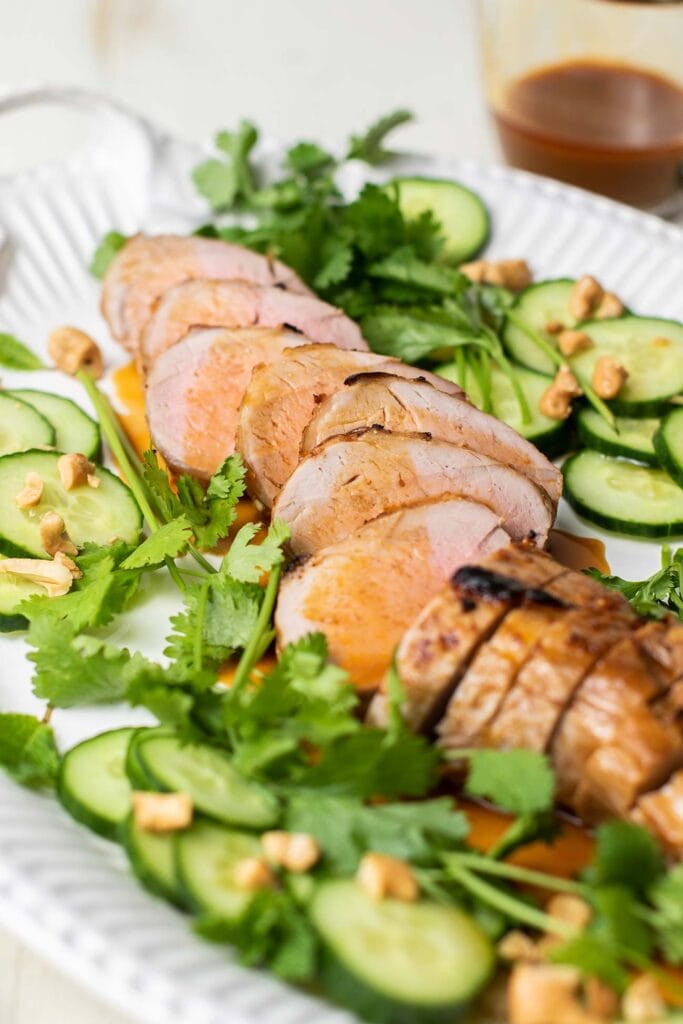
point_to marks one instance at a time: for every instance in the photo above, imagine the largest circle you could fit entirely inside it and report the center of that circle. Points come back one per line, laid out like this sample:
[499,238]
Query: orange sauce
[578,552]
[130,392]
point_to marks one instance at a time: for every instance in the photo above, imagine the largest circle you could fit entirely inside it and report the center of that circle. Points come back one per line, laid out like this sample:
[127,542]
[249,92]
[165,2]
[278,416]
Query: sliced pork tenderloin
[194,391]
[414,406]
[283,396]
[437,648]
[364,591]
[238,304]
[147,266]
[352,479]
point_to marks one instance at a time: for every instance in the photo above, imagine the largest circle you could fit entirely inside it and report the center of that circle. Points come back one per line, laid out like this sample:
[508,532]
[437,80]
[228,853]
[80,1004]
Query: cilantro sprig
[659,595]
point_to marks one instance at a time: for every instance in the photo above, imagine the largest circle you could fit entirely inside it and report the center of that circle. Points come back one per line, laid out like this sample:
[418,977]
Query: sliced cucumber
[649,348]
[93,785]
[22,426]
[207,775]
[552,436]
[624,497]
[152,858]
[462,215]
[537,306]
[632,439]
[134,770]
[206,857]
[668,442]
[90,513]
[394,961]
[75,431]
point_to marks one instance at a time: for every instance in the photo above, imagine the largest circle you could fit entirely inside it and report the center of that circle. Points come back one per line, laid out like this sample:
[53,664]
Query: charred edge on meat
[473,582]
[295,563]
[362,375]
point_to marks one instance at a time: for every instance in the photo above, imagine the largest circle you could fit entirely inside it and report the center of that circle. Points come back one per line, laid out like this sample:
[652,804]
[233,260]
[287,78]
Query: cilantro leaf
[373,222]
[105,252]
[336,264]
[404,266]
[370,146]
[14,355]
[618,920]
[309,159]
[666,896]
[169,540]
[517,781]
[657,596]
[27,750]
[248,562]
[594,957]
[225,182]
[625,855]
[219,616]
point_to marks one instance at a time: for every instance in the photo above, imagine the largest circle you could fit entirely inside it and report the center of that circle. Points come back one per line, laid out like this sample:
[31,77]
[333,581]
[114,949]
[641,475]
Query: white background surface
[298,68]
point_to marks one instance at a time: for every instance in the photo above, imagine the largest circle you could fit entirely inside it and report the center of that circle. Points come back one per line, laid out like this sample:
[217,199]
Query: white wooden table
[299,68]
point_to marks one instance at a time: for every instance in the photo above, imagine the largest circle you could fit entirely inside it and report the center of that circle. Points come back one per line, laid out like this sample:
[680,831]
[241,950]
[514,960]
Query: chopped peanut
[585,296]
[610,306]
[74,470]
[517,945]
[546,994]
[642,1000]
[295,851]
[608,377]
[254,873]
[162,812]
[554,327]
[513,274]
[54,577]
[31,493]
[69,564]
[53,535]
[385,877]
[570,909]
[73,350]
[601,1000]
[93,481]
[556,401]
[571,342]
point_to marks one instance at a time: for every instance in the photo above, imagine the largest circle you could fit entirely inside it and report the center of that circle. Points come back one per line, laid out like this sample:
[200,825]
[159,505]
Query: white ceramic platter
[64,891]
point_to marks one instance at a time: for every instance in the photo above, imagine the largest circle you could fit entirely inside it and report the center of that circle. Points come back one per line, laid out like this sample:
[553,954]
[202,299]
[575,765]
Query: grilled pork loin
[195,388]
[147,266]
[352,479]
[374,582]
[414,406]
[204,303]
[283,396]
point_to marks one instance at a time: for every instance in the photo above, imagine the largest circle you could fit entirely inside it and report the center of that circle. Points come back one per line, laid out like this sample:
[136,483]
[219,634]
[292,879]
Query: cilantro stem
[202,601]
[507,904]
[253,650]
[484,865]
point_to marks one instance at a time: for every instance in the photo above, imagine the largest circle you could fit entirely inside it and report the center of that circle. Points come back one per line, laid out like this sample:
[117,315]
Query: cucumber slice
[152,858]
[137,775]
[394,961]
[462,215]
[208,776]
[668,442]
[632,439]
[75,431]
[93,785]
[206,857]
[537,306]
[649,348]
[22,426]
[89,513]
[623,497]
[552,436]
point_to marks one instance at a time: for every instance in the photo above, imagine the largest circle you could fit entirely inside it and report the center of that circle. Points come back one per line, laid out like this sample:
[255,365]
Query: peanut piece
[74,470]
[294,851]
[642,1001]
[69,564]
[517,945]
[545,993]
[584,297]
[73,350]
[93,481]
[253,873]
[570,909]
[610,306]
[571,342]
[608,377]
[31,493]
[53,535]
[513,274]
[162,812]
[553,327]
[385,877]
[601,1000]
[54,577]
[475,270]
[556,400]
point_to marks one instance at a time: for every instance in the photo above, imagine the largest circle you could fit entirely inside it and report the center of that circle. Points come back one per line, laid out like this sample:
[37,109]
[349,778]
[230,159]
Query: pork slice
[208,303]
[352,479]
[146,267]
[661,811]
[283,396]
[437,648]
[414,406]
[364,591]
[195,389]
[547,681]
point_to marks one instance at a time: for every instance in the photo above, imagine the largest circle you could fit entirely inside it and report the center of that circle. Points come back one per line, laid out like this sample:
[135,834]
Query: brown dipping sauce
[607,127]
